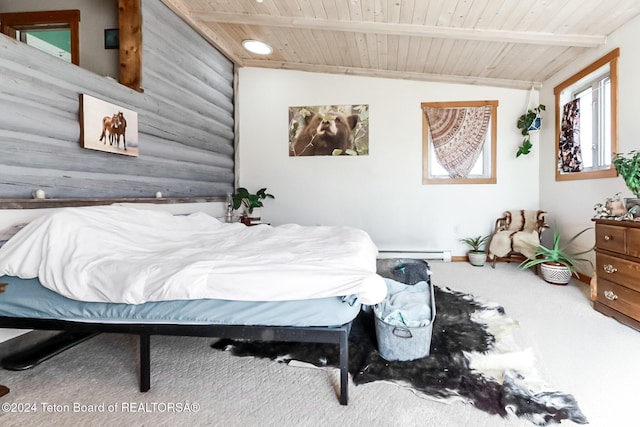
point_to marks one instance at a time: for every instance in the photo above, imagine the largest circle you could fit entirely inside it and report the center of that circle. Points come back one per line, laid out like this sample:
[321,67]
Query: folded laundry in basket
[406,305]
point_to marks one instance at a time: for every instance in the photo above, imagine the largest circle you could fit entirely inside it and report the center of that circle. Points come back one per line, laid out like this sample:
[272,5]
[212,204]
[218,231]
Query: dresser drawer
[618,270]
[619,298]
[633,242]
[611,238]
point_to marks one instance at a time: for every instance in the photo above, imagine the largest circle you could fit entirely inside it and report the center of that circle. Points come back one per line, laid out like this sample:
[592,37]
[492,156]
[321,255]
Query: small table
[249,222]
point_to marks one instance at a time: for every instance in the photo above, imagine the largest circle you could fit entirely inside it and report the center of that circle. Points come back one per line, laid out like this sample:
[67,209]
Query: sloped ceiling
[505,43]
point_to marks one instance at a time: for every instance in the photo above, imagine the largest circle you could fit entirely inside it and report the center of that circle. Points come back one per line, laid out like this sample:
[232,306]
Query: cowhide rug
[473,358]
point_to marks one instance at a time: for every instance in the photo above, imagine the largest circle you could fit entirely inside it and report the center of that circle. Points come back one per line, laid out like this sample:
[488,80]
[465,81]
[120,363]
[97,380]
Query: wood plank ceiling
[505,43]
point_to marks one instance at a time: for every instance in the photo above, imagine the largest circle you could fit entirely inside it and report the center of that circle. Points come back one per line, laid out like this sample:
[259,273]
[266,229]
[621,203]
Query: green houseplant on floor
[477,255]
[557,264]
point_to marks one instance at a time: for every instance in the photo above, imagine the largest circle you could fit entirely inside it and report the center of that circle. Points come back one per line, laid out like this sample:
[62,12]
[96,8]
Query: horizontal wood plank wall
[185,120]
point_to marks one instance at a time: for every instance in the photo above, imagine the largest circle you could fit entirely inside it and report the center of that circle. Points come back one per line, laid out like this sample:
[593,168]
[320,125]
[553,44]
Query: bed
[136,271]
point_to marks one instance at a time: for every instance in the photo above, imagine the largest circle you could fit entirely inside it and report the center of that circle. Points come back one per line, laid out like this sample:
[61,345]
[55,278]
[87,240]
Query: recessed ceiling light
[257,47]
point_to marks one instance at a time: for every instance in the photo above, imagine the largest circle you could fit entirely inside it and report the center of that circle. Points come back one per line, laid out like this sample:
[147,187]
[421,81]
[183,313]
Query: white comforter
[130,255]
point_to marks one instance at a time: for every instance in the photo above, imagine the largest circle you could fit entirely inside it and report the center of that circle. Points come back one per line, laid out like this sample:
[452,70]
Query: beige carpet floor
[578,351]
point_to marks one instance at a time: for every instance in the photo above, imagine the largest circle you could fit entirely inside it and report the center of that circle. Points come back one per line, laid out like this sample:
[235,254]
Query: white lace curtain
[458,136]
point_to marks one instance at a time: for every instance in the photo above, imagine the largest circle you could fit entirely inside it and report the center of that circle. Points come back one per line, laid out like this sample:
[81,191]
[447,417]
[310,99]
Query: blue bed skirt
[27,298]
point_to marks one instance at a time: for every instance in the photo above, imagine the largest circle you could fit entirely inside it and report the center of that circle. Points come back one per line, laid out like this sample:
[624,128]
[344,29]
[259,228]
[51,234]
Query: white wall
[381,193]
[572,201]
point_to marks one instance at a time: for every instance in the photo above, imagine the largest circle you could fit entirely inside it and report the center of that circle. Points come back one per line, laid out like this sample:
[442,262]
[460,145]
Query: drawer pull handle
[610,295]
[608,268]
[607,237]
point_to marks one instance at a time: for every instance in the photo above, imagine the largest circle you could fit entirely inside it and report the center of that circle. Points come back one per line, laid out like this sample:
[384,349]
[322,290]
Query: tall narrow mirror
[587,121]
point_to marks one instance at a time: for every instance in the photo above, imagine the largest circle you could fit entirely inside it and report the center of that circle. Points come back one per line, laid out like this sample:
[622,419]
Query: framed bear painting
[329,130]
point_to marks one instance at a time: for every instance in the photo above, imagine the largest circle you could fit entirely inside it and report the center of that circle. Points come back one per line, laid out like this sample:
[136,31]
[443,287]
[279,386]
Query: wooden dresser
[618,270]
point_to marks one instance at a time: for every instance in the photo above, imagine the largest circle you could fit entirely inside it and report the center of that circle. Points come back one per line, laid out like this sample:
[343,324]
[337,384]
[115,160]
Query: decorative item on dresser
[618,270]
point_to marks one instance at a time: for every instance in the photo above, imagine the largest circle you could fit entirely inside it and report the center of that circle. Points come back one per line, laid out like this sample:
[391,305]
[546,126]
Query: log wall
[185,120]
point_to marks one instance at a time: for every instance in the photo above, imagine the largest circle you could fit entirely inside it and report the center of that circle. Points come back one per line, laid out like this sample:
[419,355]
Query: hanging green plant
[529,121]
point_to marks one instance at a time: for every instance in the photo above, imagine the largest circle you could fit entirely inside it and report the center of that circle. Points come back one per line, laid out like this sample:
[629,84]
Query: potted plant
[528,122]
[557,264]
[477,256]
[628,166]
[250,202]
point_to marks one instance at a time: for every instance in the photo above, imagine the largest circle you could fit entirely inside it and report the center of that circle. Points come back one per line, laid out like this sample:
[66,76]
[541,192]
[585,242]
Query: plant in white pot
[477,255]
[557,264]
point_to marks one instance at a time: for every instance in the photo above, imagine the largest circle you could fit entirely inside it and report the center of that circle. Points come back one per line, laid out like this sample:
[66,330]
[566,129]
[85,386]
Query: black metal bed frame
[80,331]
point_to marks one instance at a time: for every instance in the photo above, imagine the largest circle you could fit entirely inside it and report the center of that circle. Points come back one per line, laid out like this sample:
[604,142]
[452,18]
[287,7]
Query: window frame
[612,60]
[598,126]
[25,21]
[492,134]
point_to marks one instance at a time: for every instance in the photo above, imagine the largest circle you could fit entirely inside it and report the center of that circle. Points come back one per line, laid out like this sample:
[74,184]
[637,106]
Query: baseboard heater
[415,254]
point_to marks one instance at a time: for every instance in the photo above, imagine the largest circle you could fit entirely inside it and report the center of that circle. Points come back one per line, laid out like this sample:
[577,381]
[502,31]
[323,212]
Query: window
[594,119]
[464,150]
[586,121]
[595,123]
[54,32]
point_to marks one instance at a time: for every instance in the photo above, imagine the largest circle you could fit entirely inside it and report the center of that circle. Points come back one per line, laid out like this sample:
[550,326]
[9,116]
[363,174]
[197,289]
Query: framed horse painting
[108,127]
